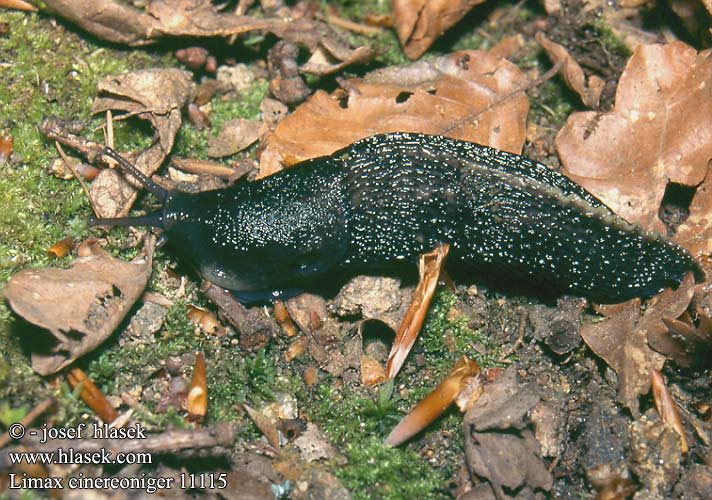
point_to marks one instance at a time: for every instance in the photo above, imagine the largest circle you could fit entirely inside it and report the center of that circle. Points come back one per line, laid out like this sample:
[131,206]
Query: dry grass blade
[429,266]
[434,404]
[197,401]
[92,396]
[667,407]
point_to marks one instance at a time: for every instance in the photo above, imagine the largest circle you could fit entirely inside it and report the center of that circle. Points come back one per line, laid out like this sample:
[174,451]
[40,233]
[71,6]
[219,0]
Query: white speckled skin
[390,197]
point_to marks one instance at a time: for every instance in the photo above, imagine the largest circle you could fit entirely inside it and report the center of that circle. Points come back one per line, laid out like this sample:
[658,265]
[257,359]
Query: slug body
[391,197]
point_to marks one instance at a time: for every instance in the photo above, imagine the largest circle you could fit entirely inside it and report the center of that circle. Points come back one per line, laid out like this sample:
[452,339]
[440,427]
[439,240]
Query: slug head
[251,236]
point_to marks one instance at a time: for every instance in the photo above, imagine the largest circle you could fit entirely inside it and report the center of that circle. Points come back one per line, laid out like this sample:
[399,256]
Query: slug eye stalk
[154,219]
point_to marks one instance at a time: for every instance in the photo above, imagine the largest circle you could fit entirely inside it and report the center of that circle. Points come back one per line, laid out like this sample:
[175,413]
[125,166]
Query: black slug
[391,197]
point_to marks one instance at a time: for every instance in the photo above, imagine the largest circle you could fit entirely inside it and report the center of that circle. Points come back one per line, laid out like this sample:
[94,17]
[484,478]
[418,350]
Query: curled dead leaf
[61,248]
[667,408]
[621,338]
[429,267]
[158,95]
[80,306]
[434,404]
[197,399]
[684,342]
[119,22]
[419,23]
[589,92]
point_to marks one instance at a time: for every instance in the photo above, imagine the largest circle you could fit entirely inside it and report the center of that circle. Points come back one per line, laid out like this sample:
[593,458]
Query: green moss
[358,425]
[386,44]
[612,42]
[377,471]
[554,103]
[238,379]
[445,339]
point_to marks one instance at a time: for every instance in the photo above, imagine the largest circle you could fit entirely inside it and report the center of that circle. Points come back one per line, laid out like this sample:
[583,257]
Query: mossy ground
[49,69]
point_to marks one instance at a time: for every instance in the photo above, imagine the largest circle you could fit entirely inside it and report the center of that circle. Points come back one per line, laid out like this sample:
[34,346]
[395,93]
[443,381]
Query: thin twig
[78,177]
[521,330]
[339,22]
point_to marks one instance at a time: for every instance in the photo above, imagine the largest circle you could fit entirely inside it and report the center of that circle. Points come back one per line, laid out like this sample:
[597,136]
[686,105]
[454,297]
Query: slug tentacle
[127,167]
[154,219]
[388,198]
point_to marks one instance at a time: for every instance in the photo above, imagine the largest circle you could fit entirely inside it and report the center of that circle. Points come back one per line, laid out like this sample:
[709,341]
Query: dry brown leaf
[420,22]
[589,92]
[453,95]
[499,445]
[92,396]
[621,338]
[121,23]
[81,306]
[659,131]
[157,95]
[234,136]
[372,372]
[197,399]
[434,404]
[695,233]
[6,147]
[61,248]
[296,348]
[266,425]
[687,344]
[429,267]
[203,319]
[667,408]
[325,60]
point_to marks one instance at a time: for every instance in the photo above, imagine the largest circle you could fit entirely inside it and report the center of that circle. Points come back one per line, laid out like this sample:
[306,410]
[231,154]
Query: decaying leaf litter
[569,423]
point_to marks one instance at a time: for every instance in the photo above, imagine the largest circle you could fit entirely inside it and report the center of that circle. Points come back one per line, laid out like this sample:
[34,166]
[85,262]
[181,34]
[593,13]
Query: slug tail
[154,219]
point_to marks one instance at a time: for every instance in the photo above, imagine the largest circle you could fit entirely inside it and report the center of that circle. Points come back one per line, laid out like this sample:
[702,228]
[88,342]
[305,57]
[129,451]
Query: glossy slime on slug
[391,197]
